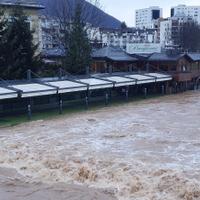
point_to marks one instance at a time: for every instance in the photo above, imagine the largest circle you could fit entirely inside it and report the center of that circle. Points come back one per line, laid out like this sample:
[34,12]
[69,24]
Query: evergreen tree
[20,52]
[78,49]
[123,25]
[3,30]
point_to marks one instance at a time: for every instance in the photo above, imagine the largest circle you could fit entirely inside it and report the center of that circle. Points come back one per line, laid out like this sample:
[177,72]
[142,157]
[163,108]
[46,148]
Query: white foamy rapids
[142,151]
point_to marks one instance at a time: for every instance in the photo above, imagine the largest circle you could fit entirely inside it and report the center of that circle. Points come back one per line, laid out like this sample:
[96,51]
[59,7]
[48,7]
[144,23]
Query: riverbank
[14,120]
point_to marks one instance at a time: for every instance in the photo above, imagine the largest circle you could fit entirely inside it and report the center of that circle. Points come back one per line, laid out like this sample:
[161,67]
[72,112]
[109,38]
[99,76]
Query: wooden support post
[110,94]
[29,111]
[60,73]
[186,85]
[195,85]
[154,87]
[60,104]
[147,67]
[86,102]
[29,108]
[106,98]
[163,89]
[176,87]
[29,75]
[145,92]
[130,68]
[87,99]
[127,93]
[136,90]
[110,69]
[87,70]
[167,88]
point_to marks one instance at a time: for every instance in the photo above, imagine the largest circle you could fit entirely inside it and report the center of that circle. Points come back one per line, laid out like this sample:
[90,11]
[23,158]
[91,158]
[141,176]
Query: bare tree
[60,13]
[189,36]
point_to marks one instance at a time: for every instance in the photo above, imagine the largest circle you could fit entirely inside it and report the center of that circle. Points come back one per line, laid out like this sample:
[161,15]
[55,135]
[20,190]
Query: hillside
[94,15]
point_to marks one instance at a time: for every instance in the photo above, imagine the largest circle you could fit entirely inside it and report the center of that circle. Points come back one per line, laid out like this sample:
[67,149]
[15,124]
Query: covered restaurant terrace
[26,91]
[7,93]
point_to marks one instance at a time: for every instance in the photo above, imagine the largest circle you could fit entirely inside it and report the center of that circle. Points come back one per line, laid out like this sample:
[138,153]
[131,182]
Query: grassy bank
[54,113]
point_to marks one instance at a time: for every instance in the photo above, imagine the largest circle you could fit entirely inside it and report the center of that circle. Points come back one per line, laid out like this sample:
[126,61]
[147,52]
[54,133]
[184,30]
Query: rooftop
[165,57]
[112,54]
[194,56]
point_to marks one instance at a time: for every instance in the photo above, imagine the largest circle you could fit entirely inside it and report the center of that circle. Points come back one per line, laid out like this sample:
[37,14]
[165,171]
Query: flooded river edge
[146,150]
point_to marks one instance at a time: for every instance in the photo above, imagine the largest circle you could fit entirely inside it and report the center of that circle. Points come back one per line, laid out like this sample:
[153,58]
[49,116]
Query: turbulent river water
[147,150]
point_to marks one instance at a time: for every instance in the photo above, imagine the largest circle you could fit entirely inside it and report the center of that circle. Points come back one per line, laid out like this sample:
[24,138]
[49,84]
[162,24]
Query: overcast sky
[124,10]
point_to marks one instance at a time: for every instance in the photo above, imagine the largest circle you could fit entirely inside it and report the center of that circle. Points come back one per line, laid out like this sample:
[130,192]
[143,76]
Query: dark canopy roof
[112,54]
[141,57]
[164,57]
[194,56]
[54,53]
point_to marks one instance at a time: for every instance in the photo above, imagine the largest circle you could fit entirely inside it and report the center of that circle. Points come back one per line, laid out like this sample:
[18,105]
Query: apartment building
[147,17]
[186,11]
[122,38]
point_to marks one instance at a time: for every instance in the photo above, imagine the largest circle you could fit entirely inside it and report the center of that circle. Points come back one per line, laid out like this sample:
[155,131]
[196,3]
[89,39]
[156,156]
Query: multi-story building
[186,11]
[170,29]
[148,17]
[121,38]
[31,9]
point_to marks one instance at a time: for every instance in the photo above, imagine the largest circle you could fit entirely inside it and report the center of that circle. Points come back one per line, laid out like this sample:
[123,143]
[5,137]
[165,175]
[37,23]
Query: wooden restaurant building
[112,59]
[184,68]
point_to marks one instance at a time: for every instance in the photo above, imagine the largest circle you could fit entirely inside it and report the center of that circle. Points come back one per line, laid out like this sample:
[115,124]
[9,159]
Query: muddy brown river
[147,150]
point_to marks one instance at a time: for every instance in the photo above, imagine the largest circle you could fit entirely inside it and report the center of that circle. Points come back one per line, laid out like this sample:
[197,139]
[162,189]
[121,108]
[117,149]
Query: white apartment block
[147,17]
[166,32]
[188,11]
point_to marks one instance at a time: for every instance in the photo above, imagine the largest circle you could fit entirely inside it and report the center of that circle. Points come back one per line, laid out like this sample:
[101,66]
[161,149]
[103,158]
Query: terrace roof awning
[34,89]
[142,79]
[7,93]
[95,83]
[65,86]
[119,80]
[99,81]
